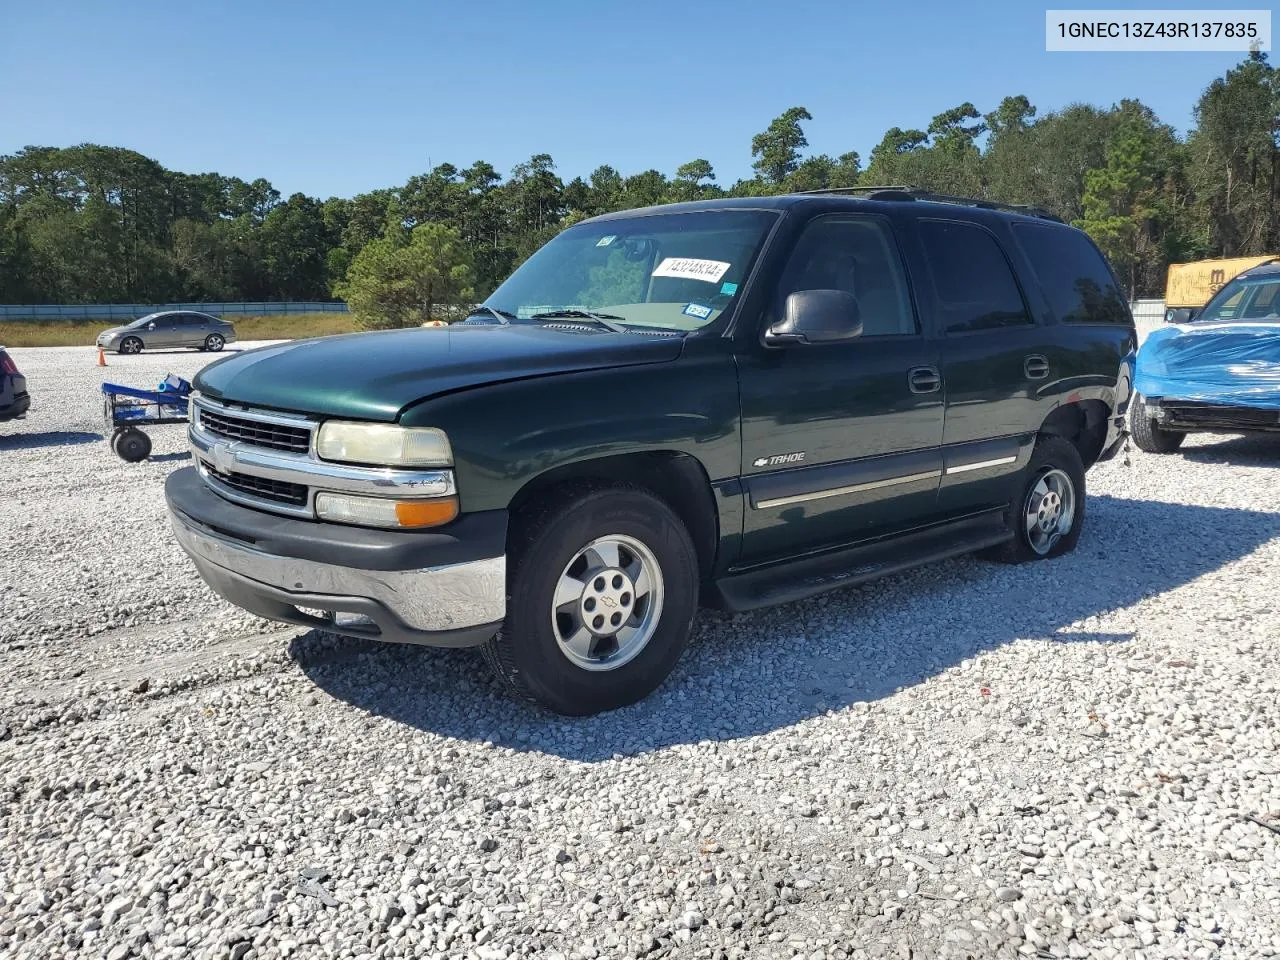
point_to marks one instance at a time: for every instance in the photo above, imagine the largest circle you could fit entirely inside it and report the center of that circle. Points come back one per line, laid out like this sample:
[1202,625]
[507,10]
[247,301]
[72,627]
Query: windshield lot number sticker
[605,241]
[709,270]
[697,310]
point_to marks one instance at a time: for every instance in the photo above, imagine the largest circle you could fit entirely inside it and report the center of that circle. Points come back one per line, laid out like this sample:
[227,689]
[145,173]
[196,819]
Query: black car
[733,403]
[14,399]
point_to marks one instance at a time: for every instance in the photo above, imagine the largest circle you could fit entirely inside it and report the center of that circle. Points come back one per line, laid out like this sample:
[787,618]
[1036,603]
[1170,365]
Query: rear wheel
[130,345]
[1047,516]
[132,445]
[601,600]
[214,342]
[1149,435]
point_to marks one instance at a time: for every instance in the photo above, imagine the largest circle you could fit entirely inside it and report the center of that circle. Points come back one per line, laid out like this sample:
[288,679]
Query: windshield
[1245,298]
[676,270]
[143,321]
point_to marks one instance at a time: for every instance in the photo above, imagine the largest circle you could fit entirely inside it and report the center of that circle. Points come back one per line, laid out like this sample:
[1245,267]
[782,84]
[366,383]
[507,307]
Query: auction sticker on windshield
[709,270]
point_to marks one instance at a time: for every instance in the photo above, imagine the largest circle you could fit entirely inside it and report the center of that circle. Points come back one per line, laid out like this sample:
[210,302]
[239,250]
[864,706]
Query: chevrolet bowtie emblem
[224,457]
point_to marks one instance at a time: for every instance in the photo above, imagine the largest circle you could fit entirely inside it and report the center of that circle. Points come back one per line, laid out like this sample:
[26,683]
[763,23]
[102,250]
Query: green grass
[83,333]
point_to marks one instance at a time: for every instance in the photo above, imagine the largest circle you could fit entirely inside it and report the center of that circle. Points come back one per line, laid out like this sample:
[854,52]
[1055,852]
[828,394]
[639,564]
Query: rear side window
[1075,278]
[972,279]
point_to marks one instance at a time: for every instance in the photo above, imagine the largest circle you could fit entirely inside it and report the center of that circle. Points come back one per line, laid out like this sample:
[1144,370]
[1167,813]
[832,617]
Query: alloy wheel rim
[1050,510]
[607,603]
[215,343]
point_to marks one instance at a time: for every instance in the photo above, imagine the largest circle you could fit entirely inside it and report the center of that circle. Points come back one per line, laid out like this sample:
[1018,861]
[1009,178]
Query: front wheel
[1048,513]
[130,345]
[1149,436]
[214,342]
[601,600]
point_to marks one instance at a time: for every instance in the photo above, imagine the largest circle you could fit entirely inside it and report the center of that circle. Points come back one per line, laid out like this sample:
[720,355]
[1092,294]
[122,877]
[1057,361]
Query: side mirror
[1180,314]
[151,325]
[817,316]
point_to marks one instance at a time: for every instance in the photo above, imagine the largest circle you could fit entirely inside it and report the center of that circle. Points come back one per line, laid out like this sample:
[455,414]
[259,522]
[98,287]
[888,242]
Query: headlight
[383,445]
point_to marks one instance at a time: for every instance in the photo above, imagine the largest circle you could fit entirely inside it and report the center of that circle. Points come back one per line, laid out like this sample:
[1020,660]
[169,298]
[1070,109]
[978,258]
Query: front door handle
[1035,367]
[924,379]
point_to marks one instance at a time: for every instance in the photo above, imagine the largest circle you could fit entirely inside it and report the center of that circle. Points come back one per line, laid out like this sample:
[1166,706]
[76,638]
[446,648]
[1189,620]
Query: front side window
[859,256]
[973,283]
[1073,274]
[680,271]
[1244,298]
[1263,304]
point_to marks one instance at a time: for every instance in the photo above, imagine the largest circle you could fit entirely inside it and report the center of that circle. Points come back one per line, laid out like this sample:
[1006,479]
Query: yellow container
[1193,284]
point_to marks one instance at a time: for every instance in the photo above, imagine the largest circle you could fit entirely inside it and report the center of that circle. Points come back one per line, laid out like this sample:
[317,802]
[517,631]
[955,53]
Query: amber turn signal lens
[427,513]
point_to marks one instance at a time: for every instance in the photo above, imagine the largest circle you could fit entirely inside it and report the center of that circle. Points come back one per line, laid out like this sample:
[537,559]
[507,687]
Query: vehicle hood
[110,332]
[373,376]
[1232,362]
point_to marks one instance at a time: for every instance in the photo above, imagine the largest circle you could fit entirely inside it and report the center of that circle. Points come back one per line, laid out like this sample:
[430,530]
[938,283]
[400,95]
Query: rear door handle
[1035,367]
[924,379]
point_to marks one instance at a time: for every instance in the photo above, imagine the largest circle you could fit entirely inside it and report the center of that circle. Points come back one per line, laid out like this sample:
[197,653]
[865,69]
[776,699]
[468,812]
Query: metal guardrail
[131,311]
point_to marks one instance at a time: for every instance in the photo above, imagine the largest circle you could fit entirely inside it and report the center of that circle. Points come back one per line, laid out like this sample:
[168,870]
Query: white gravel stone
[965,760]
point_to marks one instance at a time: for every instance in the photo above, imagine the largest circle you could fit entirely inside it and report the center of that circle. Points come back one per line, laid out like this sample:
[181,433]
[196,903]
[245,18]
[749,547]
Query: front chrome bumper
[454,605]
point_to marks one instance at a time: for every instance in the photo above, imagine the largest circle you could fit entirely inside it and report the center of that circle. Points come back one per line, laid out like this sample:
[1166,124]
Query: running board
[812,575]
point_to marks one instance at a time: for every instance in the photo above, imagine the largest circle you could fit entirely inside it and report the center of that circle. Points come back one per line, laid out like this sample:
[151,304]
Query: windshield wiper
[604,319]
[504,317]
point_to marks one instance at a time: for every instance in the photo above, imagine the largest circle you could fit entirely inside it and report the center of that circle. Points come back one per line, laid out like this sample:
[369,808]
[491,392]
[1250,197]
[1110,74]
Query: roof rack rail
[900,192]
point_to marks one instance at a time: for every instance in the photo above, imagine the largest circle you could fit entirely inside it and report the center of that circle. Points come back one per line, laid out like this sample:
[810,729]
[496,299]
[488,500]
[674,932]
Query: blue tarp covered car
[1219,372]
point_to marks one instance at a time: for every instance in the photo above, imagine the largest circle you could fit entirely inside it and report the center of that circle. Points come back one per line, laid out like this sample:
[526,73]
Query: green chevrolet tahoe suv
[732,403]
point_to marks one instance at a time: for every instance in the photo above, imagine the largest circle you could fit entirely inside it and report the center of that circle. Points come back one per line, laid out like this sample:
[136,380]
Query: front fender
[505,435]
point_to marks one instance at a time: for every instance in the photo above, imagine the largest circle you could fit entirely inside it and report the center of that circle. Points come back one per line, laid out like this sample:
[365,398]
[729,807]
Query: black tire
[131,445]
[130,345]
[1052,455]
[214,342]
[526,654]
[1149,436]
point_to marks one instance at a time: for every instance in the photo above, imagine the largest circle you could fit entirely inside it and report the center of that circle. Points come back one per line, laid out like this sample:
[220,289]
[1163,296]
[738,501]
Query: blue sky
[334,98]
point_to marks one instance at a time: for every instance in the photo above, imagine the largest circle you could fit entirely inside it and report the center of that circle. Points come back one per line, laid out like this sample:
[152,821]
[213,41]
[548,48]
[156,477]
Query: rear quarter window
[1075,278]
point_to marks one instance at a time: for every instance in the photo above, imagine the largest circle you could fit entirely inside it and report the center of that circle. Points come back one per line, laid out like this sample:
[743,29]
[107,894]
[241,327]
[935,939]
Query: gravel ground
[966,761]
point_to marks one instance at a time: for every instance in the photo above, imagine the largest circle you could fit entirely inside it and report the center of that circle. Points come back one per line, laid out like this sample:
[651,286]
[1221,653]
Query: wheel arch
[1083,423]
[677,478]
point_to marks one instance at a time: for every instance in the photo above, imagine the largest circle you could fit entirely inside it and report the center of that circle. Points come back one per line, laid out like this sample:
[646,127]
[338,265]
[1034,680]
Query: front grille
[1213,414]
[260,433]
[294,494]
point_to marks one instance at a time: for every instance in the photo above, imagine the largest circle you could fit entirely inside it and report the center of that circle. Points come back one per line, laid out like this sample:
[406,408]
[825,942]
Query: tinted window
[1264,304]
[860,257]
[166,322]
[1073,274]
[972,279]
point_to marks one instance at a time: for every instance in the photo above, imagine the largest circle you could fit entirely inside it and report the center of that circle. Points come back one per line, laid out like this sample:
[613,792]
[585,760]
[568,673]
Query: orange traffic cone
[102,359]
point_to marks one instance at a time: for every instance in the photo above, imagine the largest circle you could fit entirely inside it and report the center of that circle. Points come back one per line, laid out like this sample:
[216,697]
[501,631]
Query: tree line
[91,223]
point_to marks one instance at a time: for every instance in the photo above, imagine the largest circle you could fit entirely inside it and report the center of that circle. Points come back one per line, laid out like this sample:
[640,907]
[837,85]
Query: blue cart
[125,408]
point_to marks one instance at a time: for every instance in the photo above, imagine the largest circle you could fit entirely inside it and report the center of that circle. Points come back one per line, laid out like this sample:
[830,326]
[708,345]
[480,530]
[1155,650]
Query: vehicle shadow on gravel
[50,438]
[1261,451]
[751,674]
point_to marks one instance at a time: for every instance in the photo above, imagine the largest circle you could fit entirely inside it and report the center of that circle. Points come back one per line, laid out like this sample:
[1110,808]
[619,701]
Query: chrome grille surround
[265,477]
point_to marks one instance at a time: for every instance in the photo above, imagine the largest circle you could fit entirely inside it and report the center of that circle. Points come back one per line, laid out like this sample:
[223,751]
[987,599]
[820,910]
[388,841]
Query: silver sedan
[168,329]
